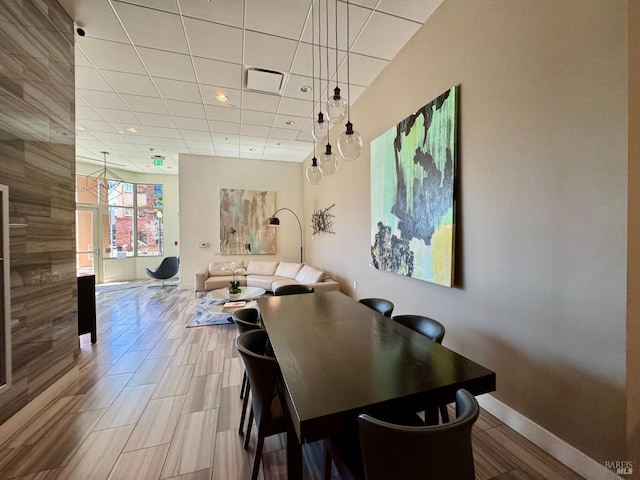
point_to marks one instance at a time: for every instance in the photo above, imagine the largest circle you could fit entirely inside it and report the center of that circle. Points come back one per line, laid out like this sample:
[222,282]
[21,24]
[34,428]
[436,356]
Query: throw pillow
[261,268]
[309,274]
[288,269]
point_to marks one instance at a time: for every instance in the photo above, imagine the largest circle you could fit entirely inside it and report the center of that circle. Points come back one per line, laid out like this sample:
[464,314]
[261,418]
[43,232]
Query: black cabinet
[87,306]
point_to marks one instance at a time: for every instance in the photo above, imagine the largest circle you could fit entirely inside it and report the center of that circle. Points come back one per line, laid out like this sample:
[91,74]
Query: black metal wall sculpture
[322,221]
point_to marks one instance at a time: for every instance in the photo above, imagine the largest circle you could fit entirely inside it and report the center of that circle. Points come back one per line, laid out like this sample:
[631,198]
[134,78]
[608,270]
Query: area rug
[210,312]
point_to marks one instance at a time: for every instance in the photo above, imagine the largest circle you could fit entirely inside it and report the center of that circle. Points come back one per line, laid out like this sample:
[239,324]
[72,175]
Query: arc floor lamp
[275,221]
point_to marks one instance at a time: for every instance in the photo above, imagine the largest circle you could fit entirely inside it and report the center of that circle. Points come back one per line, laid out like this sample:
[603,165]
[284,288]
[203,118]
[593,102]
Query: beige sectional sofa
[263,274]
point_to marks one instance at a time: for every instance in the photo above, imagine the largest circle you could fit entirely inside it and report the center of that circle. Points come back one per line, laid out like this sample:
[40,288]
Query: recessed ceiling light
[305,88]
[132,130]
[252,149]
[221,97]
[290,122]
[279,144]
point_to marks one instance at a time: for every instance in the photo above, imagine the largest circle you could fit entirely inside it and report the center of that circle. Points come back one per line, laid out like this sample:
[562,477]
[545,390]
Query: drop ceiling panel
[260,102]
[111,55]
[223,114]
[255,131]
[195,135]
[253,141]
[122,128]
[215,41]
[121,116]
[416,10]
[250,117]
[156,120]
[302,64]
[358,17]
[277,17]
[165,5]
[365,69]
[167,64]
[226,12]
[90,78]
[140,104]
[294,83]
[384,36]
[97,17]
[177,90]
[130,83]
[216,72]
[162,132]
[266,51]
[101,99]
[209,93]
[224,127]
[284,121]
[283,133]
[191,123]
[152,28]
[86,113]
[186,109]
[294,106]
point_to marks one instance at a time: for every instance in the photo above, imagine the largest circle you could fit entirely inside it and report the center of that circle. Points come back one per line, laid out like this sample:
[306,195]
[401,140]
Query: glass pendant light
[313,174]
[350,144]
[320,127]
[350,141]
[328,162]
[336,104]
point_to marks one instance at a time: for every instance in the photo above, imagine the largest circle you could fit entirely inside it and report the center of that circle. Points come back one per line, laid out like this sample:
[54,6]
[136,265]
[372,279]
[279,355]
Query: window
[133,225]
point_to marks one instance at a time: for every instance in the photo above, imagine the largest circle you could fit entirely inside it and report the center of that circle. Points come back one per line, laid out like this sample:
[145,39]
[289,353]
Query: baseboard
[26,413]
[547,441]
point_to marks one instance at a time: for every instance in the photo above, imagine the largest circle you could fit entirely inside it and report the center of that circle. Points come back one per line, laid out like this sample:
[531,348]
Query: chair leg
[444,414]
[431,416]
[245,402]
[326,463]
[244,384]
[258,458]
[248,435]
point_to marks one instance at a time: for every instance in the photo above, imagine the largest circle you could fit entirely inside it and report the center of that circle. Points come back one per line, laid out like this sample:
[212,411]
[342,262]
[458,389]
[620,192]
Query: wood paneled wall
[37,162]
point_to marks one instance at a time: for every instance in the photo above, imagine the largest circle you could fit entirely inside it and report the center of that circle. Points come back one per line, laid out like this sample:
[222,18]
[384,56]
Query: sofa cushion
[309,274]
[281,281]
[288,269]
[261,281]
[216,269]
[261,268]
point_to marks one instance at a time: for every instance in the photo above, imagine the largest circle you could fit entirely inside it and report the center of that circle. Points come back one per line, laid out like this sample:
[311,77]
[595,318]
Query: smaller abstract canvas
[412,193]
[243,222]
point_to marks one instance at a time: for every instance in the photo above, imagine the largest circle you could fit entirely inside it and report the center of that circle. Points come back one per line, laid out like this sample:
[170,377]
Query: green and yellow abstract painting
[412,193]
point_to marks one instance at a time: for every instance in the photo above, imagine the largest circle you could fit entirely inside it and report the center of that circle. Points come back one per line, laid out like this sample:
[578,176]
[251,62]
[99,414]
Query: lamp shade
[274,221]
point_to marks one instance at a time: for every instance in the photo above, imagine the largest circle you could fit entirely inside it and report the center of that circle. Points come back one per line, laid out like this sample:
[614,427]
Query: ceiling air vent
[265,81]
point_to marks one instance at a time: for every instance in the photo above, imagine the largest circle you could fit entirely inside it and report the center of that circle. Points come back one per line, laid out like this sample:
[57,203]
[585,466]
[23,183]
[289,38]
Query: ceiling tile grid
[165,77]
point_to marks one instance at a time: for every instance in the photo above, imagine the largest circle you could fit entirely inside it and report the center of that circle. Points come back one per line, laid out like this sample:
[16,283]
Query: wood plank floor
[155,400]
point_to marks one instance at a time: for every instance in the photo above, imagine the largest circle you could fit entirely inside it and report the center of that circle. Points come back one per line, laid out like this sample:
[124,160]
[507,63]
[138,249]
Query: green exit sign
[157,161]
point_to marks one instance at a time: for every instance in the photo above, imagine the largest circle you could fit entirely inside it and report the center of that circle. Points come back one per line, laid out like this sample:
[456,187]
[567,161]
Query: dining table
[339,358]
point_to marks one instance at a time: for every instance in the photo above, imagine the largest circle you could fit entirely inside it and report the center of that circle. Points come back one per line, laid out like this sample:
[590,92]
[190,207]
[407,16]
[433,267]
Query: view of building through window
[130,224]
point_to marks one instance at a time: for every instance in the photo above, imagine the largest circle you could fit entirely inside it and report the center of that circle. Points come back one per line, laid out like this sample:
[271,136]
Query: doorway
[88,252]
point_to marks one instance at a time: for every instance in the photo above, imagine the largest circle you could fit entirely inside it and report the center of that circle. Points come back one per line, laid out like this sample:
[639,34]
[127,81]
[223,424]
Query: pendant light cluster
[337,106]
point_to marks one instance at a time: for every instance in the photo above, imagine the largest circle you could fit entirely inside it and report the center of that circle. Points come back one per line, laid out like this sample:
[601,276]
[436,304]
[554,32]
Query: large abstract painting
[243,222]
[412,193]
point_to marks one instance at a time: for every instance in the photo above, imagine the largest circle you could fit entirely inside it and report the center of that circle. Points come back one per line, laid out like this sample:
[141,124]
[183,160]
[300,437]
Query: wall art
[412,193]
[322,221]
[243,222]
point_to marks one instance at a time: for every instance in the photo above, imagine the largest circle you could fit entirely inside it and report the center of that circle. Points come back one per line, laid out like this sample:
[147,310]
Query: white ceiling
[157,65]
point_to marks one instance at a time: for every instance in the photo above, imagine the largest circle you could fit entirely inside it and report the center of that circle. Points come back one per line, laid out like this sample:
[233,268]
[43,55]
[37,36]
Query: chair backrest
[439,452]
[167,268]
[246,319]
[294,289]
[426,326]
[262,371]
[380,305]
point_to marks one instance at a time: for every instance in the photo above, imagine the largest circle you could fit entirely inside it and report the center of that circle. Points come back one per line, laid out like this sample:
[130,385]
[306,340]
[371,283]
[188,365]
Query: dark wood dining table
[339,358]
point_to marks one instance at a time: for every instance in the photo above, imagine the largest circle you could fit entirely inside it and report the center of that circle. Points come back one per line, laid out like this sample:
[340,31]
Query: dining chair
[267,404]
[435,331]
[294,289]
[380,305]
[436,452]
[246,319]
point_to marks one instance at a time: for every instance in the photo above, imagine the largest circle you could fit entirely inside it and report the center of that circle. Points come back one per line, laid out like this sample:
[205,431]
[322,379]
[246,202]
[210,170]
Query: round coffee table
[247,293]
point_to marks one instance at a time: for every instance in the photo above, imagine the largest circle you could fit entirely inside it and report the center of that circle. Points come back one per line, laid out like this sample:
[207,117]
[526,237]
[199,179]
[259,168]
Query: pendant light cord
[348,69]
[326,6]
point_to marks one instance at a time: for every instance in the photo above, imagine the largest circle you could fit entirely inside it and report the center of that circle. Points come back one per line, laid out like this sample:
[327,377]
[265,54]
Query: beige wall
[202,177]
[542,203]
[633,300]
